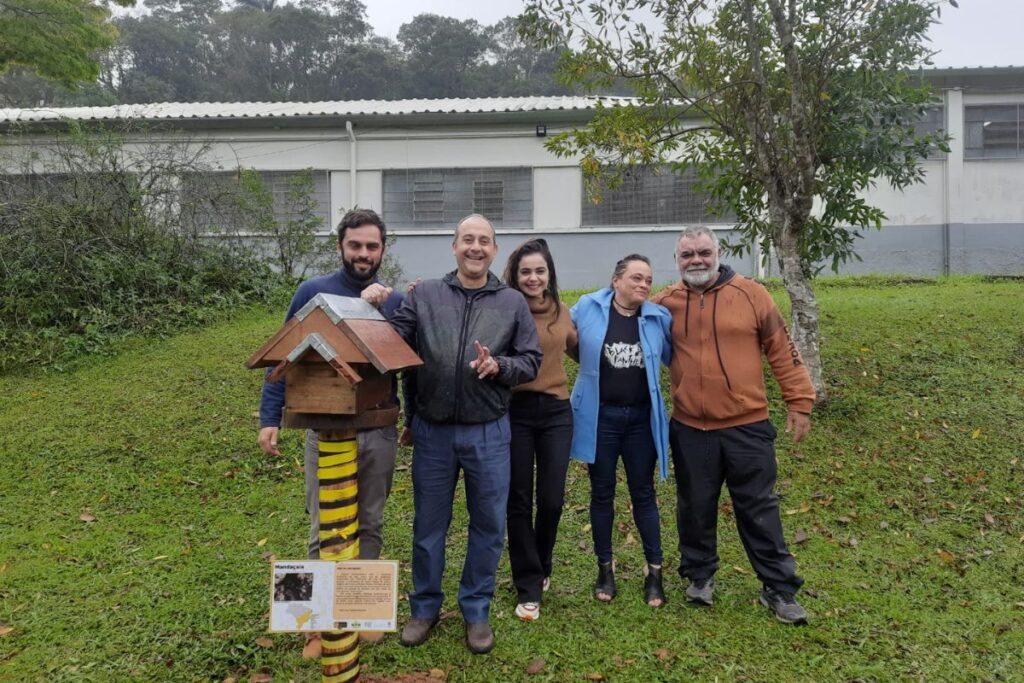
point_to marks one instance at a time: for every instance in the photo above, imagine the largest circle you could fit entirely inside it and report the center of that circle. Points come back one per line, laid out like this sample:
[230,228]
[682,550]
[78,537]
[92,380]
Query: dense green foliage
[203,50]
[98,240]
[903,507]
[57,39]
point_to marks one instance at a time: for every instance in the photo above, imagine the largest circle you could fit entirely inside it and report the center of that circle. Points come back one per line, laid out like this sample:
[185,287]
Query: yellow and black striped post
[339,540]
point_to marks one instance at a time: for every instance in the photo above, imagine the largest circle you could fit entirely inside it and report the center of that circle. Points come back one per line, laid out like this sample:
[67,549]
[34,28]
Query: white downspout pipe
[353,185]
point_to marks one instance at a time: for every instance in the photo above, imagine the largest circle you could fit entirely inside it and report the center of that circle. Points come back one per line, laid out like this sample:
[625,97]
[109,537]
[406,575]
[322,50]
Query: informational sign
[319,595]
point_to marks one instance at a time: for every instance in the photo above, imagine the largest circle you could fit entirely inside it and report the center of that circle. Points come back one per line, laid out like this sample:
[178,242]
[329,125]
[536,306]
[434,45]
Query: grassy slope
[909,492]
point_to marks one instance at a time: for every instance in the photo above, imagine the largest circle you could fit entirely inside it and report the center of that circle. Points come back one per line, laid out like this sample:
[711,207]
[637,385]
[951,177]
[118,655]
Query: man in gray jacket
[477,340]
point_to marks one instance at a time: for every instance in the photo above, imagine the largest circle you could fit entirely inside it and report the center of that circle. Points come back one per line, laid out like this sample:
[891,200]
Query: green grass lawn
[136,514]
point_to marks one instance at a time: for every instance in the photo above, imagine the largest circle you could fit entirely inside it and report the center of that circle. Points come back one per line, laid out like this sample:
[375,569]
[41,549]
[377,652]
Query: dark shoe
[416,631]
[701,592]
[784,605]
[479,638]
[654,589]
[605,581]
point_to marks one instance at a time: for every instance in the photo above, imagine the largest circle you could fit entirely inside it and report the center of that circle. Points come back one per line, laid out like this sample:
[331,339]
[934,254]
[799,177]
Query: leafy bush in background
[99,239]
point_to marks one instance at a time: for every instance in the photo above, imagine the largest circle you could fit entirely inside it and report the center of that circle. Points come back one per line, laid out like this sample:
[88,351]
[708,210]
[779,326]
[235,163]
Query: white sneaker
[528,611]
[546,585]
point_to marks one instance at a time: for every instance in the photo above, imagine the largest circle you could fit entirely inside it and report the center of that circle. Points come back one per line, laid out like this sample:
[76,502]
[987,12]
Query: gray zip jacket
[441,319]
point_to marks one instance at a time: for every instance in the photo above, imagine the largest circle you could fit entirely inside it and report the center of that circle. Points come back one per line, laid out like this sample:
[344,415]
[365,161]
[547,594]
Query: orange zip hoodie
[718,337]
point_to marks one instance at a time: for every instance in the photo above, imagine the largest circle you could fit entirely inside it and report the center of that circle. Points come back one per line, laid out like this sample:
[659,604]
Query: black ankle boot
[654,589]
[605,580]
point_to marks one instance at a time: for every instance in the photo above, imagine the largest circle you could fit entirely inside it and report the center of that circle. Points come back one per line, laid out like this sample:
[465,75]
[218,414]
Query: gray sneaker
[479,638]
[416,631]
[784,605]
[701,592]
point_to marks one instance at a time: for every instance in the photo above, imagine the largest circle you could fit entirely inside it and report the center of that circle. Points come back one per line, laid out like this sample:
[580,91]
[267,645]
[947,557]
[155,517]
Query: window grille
[652,196]
[993,132]
[488,199]
[438,198]
[933,121]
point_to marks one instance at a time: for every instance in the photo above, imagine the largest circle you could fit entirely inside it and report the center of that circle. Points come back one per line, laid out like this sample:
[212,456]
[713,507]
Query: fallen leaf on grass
[262,542]
[852,542]
[800,537]
[843,520]
[6,630]
[586,528]
[594,676]
[662,654]
[438,674]
[1020,604]
[260,677]
[989,519]
[806,507]
[535,666]
[265,642]
[86,517]
[269,556]
[159,557]
[927,480]
[739,570]
[3,567]
[945,555]
[630,539]
[976,434]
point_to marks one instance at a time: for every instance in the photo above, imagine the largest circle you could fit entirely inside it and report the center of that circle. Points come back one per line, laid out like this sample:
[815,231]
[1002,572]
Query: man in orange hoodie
[722,323]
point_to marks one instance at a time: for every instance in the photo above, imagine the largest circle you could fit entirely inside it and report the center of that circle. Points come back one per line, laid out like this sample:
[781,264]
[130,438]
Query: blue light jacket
[590,314]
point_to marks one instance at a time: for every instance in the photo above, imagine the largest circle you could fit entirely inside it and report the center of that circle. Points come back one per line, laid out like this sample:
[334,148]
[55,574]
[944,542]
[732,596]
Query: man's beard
[350,268]
[702,277]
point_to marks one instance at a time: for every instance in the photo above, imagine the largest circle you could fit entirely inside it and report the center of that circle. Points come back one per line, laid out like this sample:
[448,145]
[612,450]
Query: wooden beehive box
[337,356]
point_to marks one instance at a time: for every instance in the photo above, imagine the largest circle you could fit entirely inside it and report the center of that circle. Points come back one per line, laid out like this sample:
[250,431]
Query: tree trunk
[805,308]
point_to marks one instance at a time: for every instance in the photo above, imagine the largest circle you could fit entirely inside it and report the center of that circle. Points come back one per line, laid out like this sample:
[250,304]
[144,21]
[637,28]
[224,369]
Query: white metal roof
[264,110]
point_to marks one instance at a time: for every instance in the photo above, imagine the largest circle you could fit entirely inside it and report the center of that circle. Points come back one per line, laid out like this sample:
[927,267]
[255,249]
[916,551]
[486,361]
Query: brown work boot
[416,631]
[479,638]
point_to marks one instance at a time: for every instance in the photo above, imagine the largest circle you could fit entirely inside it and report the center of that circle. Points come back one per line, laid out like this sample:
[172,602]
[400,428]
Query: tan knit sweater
[554,340]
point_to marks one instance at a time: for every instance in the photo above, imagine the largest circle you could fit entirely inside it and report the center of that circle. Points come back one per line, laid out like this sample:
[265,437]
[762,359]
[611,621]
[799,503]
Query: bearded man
[361,245]
[722,325]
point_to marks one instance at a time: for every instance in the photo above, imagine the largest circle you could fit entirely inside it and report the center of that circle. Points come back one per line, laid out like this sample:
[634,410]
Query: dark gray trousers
[744,459]
[376,459]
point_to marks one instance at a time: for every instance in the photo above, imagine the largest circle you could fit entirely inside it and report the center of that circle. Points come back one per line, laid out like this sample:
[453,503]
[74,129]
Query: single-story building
[423,164]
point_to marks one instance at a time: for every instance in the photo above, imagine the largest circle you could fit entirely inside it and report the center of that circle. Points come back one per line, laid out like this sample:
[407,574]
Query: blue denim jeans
[625,431]
[440,451]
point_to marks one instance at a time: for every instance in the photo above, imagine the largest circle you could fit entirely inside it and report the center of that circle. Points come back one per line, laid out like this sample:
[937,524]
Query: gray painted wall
[585,258]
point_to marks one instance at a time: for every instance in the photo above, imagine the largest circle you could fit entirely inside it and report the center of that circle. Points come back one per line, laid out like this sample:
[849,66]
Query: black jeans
[625,431]
[744,459]
[541,438]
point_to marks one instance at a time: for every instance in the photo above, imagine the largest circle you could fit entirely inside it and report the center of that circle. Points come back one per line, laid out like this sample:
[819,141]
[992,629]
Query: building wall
[968,215]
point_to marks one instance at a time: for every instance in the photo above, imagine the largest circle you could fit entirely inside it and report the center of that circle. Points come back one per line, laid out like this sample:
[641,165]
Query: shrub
[98,240]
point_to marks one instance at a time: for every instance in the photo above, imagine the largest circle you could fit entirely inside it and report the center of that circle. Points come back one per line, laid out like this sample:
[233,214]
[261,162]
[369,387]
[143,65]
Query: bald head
[475,220]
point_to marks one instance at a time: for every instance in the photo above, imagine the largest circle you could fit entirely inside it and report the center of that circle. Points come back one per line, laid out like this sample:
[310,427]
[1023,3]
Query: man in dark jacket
[477,340]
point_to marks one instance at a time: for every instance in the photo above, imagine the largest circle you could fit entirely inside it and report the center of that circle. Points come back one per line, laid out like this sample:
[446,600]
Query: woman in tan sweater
[541,423]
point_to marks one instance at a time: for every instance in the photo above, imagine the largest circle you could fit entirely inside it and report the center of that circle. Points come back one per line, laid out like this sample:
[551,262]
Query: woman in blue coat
[618,411]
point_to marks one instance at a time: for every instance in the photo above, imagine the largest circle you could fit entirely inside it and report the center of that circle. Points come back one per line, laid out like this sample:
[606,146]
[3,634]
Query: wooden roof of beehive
[353,329]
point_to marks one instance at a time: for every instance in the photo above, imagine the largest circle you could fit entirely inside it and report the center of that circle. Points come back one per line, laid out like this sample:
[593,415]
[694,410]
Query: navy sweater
[340,283]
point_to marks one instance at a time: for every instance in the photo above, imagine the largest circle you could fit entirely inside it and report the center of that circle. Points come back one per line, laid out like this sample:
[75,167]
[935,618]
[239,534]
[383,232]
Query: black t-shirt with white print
[623,377]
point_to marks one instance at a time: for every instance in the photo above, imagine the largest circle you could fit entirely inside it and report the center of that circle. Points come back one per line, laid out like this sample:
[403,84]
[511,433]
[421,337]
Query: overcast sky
[980,33]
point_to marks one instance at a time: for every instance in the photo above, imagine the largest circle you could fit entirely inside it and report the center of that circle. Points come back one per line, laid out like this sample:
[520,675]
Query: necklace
[625,310]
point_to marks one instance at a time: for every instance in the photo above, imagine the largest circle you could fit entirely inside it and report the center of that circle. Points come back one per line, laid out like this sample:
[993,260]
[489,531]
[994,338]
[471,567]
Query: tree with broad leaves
[789,111]
[58,39]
